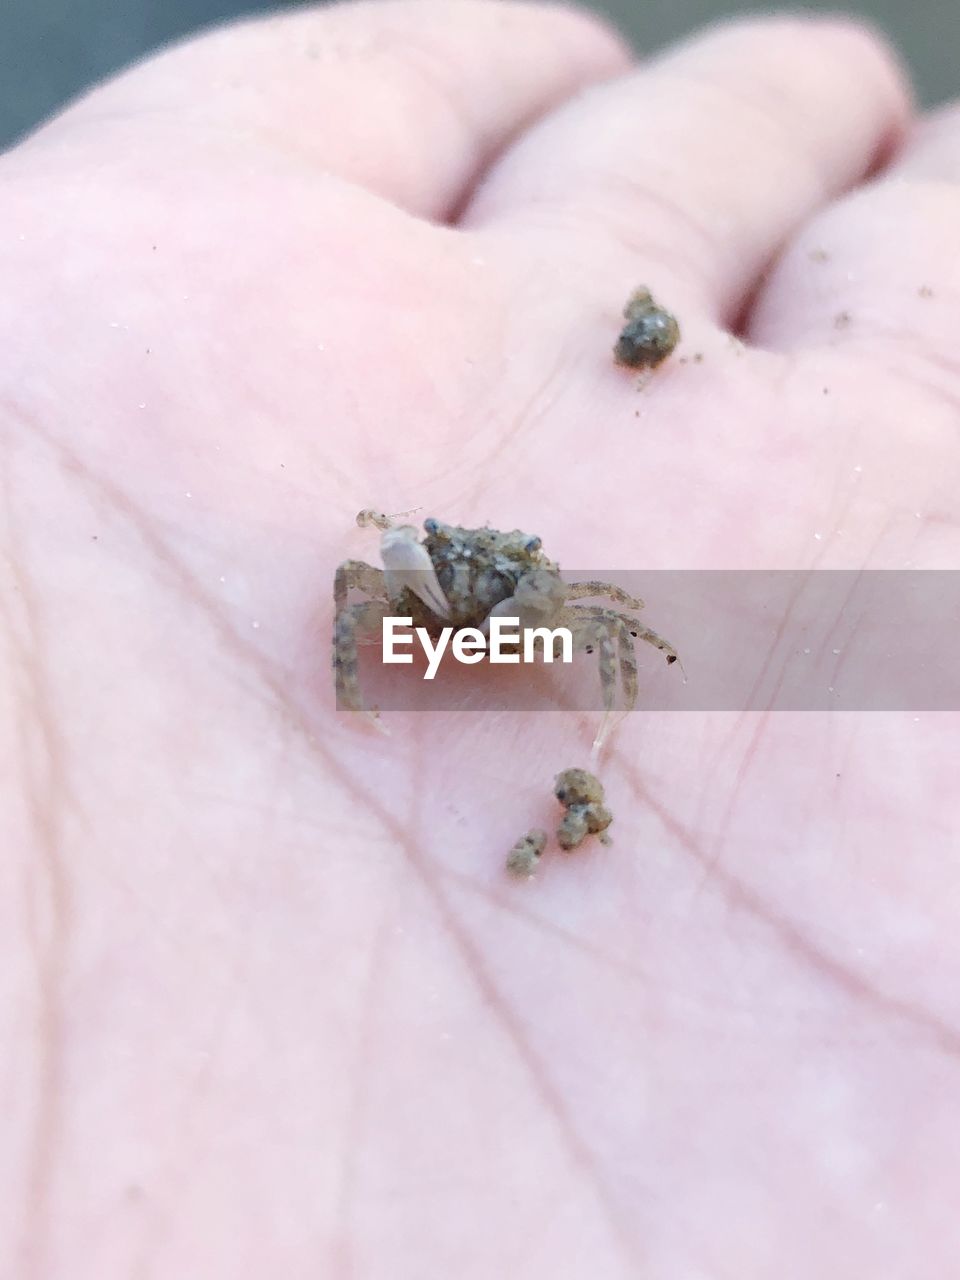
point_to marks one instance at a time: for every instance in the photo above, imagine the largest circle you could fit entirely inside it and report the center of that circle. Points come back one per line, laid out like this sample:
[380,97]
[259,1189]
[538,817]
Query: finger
[932,151]
[880,271]
[690,172]
[409,98]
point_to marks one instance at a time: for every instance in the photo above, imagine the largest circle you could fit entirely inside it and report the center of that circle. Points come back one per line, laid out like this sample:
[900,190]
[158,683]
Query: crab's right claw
[407,563]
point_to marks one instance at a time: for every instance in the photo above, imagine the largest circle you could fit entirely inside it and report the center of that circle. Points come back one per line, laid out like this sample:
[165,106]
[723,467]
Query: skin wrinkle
[186,1162]
[630,230]
[942,1034]
[537,404]
[431,75]
[506,901]
[712,860]
[939,394]
[639,196]
[788,935]
[892,349]
[188,1159]
[738,894]
[511,1024]
[698,263]
[299,724]
[877,541]
[743,769]
[630,970]
[620,1225]
[841,500]
[939,520]
[432,71]
[46,790]
[187,1155]
[343,1250]
[927,357]
[843,656]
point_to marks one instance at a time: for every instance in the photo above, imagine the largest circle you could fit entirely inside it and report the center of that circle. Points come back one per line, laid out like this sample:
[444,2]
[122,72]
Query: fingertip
[860,43]
[592,41]
[875,62]
[821,49]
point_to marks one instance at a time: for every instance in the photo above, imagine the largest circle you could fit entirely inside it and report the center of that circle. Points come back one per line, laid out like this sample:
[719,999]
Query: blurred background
[50,49]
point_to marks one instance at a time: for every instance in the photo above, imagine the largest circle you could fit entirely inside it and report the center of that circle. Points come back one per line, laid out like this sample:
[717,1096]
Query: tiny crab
[649,335]
[463,577]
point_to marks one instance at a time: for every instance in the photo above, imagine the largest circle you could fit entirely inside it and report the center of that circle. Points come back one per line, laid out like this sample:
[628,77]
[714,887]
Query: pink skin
[269,1003]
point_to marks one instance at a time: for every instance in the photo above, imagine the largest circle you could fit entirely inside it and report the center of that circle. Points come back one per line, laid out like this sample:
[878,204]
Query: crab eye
[533,544]
[431,525]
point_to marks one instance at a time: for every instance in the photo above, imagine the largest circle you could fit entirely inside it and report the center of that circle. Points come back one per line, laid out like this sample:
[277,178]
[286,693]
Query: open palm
[270,1004]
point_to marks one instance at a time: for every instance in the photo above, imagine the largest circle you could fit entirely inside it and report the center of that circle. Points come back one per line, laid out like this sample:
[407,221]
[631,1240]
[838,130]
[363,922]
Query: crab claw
[407,563]
[537,598]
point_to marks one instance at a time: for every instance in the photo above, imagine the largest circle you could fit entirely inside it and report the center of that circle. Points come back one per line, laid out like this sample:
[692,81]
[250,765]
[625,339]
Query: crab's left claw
[406,563]
[536,599]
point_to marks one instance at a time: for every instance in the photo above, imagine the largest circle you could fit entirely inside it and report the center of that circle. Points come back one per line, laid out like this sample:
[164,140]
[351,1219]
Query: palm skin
[270,1004]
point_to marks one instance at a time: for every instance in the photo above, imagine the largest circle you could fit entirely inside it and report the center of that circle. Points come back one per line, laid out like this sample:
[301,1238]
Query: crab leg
[606,660]
[353,622]
[359,574]
[594,587]
[635,629]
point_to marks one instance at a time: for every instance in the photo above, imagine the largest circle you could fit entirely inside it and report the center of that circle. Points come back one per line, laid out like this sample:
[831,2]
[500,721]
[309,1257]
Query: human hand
[270,1002]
